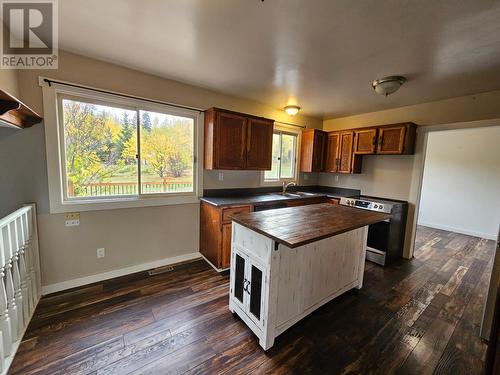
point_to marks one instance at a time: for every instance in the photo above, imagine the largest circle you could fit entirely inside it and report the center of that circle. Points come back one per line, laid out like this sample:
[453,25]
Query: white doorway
[461,182]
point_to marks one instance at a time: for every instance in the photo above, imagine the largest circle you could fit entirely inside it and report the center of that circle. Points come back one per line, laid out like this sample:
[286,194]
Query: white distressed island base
[273,286]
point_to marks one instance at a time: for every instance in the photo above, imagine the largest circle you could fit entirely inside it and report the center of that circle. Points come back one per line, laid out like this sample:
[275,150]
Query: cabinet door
[259,144]
[346,143]
[255,292]
[239,286]
[226,245]
[319,150]
[312,150]
[332,152]
[230,141]
[391,140]
[365,141]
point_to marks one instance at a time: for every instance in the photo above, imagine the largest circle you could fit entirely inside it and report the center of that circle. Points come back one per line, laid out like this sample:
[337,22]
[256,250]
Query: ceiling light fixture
[292,110]
[388,85]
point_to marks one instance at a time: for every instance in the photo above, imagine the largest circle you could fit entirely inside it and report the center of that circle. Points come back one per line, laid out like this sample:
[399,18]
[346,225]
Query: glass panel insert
[256,291]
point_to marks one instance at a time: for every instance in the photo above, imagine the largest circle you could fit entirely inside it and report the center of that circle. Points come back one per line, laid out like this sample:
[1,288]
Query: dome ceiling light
[388,85]
[292,110]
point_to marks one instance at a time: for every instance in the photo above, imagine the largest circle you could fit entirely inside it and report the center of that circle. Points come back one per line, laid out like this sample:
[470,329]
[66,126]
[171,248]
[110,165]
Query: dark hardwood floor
[414,317]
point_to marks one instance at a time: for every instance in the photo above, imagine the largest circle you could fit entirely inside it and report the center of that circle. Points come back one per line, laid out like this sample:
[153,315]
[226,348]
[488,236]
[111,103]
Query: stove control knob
[381,207]
[375,206]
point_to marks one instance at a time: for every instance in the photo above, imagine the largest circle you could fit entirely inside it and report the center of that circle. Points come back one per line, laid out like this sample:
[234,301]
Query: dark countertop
[297,226]
[260,196]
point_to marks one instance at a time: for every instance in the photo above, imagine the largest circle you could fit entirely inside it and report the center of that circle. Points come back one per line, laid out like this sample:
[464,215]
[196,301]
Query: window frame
[59,201]
[289,131]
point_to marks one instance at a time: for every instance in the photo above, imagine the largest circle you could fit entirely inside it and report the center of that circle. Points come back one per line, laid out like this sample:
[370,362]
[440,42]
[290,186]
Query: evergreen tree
[146,121]
[126,133]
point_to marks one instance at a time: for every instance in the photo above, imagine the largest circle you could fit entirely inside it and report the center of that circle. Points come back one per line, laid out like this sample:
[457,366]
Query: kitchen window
[284,159]
[119,152]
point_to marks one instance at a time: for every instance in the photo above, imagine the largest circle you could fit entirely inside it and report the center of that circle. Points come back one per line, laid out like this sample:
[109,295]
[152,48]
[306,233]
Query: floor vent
[160,270]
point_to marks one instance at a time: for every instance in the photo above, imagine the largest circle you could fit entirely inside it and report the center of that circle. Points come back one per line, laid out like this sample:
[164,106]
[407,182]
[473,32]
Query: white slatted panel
[19,279]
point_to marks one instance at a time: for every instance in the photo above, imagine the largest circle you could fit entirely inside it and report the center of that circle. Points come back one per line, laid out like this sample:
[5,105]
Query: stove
[385,242]
[366,204]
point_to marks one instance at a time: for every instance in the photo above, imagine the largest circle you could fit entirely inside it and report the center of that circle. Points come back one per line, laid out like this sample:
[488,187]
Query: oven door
[377,242]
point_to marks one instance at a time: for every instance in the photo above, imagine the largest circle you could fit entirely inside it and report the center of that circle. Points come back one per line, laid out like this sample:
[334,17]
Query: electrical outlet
[306,176]
[72,219]
[337,178]
[101,252]
[221,176]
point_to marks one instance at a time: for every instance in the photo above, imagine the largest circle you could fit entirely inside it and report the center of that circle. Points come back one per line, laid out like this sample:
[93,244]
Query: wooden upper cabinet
[313,150]
[230,137]
[396,139]
[332,152]
[346,151]
[365,141]
[259,144]
[237,141]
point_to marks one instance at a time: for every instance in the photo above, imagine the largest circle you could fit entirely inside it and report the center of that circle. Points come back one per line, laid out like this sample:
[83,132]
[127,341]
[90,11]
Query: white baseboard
[68,284]
[488,236]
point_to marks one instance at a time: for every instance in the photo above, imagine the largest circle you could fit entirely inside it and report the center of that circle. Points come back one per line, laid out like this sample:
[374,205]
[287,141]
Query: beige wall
[130,236]
[9,81]
[397,177]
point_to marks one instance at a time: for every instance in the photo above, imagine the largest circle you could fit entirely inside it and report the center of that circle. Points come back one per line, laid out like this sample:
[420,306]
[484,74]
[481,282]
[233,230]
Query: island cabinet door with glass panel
[248,286]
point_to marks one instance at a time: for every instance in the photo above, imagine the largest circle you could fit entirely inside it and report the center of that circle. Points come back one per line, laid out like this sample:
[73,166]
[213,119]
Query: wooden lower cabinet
[226,245]
[215,232]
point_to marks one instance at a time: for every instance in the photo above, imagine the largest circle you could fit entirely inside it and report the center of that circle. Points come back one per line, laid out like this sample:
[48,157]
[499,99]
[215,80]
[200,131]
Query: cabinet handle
[245,287]
[381,140]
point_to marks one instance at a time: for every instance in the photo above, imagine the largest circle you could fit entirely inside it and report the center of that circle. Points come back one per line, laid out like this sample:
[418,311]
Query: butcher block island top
[298,226]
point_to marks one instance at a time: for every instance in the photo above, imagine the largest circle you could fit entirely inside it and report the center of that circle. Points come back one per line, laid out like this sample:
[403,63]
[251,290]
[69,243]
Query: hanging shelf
[14,113]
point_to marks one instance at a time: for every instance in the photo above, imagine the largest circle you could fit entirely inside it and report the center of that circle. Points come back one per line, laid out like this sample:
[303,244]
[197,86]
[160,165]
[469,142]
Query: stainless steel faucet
[286,185]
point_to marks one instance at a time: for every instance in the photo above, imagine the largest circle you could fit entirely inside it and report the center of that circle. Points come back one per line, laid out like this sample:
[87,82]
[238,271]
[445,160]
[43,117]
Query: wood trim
[16,113]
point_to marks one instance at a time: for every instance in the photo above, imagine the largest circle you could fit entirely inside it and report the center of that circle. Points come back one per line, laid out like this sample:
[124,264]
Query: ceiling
[322,54]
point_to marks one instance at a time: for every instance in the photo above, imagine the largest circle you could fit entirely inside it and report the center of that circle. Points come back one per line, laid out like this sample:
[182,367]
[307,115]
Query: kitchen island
[288,262]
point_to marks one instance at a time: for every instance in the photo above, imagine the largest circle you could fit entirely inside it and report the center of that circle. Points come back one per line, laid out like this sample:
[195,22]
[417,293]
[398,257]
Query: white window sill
[118,203]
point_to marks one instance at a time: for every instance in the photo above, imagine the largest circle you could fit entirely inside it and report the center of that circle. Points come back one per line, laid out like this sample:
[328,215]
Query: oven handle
[368,248]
